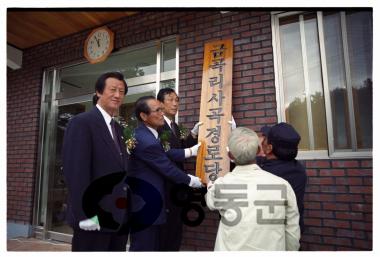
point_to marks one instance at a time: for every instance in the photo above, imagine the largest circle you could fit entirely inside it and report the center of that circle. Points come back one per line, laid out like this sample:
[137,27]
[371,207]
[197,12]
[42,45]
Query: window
[324,75]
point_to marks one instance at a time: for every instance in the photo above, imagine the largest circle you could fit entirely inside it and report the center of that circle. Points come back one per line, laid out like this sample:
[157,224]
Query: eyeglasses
[157,110]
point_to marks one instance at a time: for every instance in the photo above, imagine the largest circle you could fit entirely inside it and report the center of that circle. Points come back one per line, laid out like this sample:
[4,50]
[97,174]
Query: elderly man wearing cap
[280,146]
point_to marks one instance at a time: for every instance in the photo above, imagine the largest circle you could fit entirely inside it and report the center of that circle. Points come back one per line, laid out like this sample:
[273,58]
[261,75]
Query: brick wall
[339,194]
[338,205]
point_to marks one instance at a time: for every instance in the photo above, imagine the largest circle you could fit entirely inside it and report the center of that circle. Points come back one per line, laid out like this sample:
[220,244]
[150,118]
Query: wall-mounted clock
[99,44]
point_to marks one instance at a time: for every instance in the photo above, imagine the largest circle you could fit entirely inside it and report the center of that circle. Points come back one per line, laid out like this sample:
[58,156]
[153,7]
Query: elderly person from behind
[258,209]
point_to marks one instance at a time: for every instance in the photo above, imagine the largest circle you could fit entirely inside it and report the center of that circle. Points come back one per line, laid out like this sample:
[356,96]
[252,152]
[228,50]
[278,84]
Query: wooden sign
[215,112]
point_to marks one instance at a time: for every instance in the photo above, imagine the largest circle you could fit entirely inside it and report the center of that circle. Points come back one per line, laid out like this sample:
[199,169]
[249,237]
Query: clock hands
[97,41]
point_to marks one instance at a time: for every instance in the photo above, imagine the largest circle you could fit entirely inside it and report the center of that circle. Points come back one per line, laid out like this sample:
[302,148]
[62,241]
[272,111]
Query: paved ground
[33,244]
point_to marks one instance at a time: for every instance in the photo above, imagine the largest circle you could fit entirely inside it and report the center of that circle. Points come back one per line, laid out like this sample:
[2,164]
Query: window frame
[331,152]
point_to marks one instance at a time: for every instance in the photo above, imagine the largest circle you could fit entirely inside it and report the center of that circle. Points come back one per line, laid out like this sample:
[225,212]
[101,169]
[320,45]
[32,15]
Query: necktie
[114,135]
[174,129]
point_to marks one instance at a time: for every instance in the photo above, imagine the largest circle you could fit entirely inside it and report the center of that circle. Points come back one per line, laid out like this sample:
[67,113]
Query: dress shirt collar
[154,132]
[168,121]
[106,116]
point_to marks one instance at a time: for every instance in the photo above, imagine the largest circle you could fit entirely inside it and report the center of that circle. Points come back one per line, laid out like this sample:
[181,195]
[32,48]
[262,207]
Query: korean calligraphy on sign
[215,111]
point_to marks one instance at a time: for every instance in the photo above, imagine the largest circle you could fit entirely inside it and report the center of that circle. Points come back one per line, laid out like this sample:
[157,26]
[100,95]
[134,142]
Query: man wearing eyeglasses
[150,165]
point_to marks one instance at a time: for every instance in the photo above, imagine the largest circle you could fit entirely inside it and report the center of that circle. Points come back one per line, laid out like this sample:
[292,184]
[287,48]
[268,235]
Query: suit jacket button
[125,188]
[167,210]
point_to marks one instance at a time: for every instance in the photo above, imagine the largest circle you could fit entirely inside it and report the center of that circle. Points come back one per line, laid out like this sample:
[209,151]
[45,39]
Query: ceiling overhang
[27,28]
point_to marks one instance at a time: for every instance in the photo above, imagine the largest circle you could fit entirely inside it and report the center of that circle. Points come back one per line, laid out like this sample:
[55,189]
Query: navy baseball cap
[265,130]
[282,135]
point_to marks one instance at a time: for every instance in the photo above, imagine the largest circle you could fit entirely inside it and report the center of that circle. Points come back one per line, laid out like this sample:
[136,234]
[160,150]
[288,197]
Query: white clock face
[98,44]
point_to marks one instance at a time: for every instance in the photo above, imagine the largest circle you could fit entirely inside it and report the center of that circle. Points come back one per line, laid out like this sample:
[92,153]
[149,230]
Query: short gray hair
[243,144]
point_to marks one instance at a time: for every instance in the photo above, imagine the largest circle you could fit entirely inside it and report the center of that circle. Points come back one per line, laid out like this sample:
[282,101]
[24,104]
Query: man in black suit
[94,159]
[171,235]
[151,167]
[280,146]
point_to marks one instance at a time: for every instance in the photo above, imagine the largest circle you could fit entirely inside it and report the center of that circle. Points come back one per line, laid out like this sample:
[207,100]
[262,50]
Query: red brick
[251,59]
[253,85]
[360,225]
[321,181]
[368,198]
[265,105]
[252,72]
[332,172]
[351,233]
[359,172]
[368,217]
[361,189]
[318,164]
[334,189]
[319,247]
[343,248]
[319,214]
[367,181]
[337,241]
[270,98]
[345,164]
[242,54]
[249,114]
[266,120]
[336,223]
[366,163]
[322,231]
[349,181]
[263,64]
[349,215]
[312,222]
[320,197]
[312,238]
[312,189]
[362,244]
[312,205]
[311,172]
[336,206]
[265,91]
[349,198]
[263,77]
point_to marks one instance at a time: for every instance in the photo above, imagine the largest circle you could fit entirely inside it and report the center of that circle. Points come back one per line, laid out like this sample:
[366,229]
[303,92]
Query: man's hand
[90,224]
[195,130]
[232,123]
[192,151]
[195,182]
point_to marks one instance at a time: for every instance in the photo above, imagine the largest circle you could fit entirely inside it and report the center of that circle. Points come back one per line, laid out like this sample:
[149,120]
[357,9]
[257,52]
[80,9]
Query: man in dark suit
[94,160]
[280,146]
[151,164]
[171,237]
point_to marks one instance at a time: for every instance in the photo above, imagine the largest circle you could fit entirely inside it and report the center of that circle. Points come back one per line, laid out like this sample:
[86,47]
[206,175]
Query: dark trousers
[97,241]
[171,231]
[145,240]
